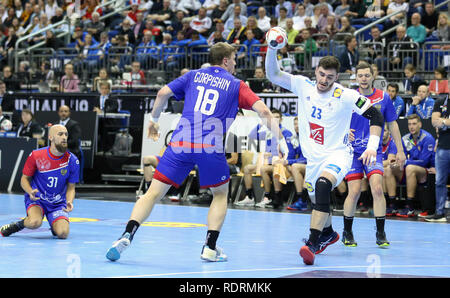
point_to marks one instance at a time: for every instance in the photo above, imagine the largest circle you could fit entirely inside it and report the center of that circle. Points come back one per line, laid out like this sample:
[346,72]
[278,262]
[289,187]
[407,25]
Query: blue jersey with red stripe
[361,125]
[51,174]
[212,98]
[389,148]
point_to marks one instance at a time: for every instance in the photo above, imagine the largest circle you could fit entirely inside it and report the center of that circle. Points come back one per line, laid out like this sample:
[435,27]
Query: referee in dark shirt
[440,119]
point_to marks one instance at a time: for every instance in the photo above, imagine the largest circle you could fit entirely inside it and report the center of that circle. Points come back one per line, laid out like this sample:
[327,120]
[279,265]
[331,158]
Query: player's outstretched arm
[162,97]
[273,71]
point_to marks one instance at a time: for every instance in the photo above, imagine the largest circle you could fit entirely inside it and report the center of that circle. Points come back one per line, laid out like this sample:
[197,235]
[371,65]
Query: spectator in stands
[430,17]
[357,10]
[250,53]
[378,48]
[309,7]
[309,26]
[307,48]
[106,103]
[346,28]
[253,25]
[10,79]
[422,104]
[89,7]
[317,13]
[299,18]
[104,45]
[263,20]
[8,44]
[219,34]
[229,24]
[291,32]
[413,80]
[443,29]
[416,31]
[259,83]
[70,81]
[31,25]
[43,22]
[46,74]
[342,8]
[94,26]
[210,5]
[2,93]
[237,34]
[399,103]
[137,74]
[140,23]
[349,58]
[189,6]
[53,42]
[419,148]
[145,49]
[107,126]
[440,120]
[23,74]
[176,23]
[102,77]
[30,128]
[415,6]
[90,55]
[325,21]
[374,11]
[77,38]
[26,14]
[50,8]
[282,18]
[186,29]
[10,15]
[201,22]
[120,53]
[287,60]
[380,81]
[58,16]
[125,29]
[73,130]
[407,48]
[230,10]
[395,6]
[219,11]
[440,83]
[17,27]
[162,16]
[285,4]
[331,29]
[176,59]
[37,11]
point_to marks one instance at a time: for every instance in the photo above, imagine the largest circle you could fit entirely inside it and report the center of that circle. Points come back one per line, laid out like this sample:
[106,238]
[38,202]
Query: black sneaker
[348,240]
[325,241]
[437,218]
[9,229]
[308,252]
[381,239]
[274,205]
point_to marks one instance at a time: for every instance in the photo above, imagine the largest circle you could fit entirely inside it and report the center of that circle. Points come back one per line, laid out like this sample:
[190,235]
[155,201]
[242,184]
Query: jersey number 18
[206,100]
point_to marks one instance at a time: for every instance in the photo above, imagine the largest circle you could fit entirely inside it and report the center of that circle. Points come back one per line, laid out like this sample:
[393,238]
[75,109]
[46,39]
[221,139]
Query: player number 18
[206,100]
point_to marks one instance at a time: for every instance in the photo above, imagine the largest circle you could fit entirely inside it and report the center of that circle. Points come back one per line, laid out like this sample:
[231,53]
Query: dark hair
[219,51]
[276,111]
[393,85]
[28,111]
[363,65]
[329,62]
[348,39]
[442,71]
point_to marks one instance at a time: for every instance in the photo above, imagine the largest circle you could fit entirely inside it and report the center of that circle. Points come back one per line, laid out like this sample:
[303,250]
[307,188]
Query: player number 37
[206,100]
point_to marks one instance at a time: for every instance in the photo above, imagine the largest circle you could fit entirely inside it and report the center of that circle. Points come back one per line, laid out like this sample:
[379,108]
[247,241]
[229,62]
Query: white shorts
[337,164]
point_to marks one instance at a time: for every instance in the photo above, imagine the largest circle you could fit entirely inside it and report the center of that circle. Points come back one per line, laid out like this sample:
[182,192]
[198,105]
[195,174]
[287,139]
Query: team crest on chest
[316,133]
[63,172]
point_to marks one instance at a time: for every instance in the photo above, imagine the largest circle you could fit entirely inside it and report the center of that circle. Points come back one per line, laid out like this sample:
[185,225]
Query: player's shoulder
[41,152]
[339,91]
[301,79]
[73,158]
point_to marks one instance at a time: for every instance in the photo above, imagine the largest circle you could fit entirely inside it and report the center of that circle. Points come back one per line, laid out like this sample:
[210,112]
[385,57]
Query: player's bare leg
[61,228]
[320,216]
[216,217]
[266,174]
[391,176]
[350,203]
[33,220]
[249,200]
[141,211]
[379,207]
[297,171]
[150,162]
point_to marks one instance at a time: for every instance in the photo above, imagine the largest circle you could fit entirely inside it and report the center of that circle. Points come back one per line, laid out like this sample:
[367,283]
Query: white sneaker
[246,202]
[211,255]
[263,203]
[447,204]
[118,247]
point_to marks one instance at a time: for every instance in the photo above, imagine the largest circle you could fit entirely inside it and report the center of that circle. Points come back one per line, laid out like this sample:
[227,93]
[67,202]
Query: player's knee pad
[323,191]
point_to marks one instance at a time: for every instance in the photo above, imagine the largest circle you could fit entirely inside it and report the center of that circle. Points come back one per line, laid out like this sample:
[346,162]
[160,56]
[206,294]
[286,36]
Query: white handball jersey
[324,118]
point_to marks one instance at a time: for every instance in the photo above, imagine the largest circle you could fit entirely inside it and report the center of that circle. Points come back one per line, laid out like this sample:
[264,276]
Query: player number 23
[316,113]
[206,100]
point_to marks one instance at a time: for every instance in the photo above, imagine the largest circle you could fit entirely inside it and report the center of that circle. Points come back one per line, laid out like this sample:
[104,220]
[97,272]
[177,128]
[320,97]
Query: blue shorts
[173,168]
[53,212]
[358,168]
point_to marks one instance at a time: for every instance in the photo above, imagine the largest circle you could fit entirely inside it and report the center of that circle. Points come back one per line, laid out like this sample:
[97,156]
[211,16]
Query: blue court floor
[259,244]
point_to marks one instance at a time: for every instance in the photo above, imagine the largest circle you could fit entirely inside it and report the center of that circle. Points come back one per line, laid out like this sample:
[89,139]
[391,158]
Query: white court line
[280,269]
[14,173]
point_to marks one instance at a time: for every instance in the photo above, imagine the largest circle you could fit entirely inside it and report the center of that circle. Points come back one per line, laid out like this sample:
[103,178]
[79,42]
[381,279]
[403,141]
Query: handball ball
[276,38]
[6,125]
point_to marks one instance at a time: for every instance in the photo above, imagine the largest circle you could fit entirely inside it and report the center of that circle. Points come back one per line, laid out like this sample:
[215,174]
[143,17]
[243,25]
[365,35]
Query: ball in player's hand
[276,38]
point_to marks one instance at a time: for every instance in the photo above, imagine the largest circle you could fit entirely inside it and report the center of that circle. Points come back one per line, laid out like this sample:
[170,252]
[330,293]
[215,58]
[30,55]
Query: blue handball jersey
[361,125]
[212,98]
[51,174]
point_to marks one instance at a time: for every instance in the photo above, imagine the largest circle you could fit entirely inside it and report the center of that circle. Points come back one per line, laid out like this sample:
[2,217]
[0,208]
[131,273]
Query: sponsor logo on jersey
[337,93]
[316,133]
[376,100]
[361,101]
